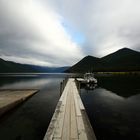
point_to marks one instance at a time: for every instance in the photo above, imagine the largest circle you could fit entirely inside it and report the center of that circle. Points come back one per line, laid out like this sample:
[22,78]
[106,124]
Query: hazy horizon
[67,65]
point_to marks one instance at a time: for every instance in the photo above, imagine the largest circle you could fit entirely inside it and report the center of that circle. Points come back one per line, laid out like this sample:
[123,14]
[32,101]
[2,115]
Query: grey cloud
[36,33]
[103,22]
[29,31]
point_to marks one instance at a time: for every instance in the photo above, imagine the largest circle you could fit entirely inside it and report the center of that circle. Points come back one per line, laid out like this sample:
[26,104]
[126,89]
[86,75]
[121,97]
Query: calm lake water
[113,107]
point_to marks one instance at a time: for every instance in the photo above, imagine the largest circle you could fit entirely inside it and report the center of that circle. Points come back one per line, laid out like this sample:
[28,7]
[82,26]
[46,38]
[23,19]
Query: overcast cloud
[41,32]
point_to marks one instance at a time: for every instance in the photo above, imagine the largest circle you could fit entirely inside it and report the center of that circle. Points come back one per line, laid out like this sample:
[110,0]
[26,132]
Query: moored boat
[89,78]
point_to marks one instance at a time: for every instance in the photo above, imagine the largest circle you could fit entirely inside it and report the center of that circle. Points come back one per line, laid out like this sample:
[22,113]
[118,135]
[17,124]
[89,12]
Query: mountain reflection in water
[114,108]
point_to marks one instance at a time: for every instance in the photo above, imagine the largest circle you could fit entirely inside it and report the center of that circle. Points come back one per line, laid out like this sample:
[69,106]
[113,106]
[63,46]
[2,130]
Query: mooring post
[79,87]
[63,85]
[60,88]
[64,82]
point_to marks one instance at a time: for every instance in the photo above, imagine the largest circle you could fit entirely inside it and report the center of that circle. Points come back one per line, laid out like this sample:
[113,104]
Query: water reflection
[33,83]
[88,86]
[30,120]
[114,108]
[122,85]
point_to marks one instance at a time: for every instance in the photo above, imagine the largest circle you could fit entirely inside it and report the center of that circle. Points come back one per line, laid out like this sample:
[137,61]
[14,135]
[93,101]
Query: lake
[113,106]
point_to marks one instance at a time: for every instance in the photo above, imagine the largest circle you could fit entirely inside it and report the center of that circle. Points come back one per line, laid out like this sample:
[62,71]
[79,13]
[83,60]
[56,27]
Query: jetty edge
[10,98]
[70,120]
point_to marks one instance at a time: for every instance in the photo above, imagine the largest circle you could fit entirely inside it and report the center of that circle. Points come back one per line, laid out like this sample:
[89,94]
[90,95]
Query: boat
[88,81]
[89,78]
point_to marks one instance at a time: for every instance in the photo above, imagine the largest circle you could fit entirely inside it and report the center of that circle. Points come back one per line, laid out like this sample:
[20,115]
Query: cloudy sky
[61,32]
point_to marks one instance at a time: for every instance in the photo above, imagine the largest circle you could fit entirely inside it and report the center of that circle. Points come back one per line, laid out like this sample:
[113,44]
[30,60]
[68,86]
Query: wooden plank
[56,138]
[85,121]
[78,112]
[64,93]
[74,131]
[69,121]
[80,103]
[11,98]
[50,131]
[88,127]
[80,123]
[81,128]
[66,126]
[78,98]
[65,97]
[53,131]
[60,122]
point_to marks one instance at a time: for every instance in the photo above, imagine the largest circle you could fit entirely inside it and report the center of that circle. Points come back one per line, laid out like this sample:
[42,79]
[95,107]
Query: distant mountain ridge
[122,60]
[12,67]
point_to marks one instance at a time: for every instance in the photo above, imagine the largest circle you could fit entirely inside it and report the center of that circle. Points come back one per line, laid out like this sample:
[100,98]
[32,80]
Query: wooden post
[78,84]
[79,87]
[63,85]
[60,88]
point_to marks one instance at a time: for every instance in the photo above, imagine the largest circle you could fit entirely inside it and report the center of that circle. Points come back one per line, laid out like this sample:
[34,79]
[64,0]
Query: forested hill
[12,67]
[122,60]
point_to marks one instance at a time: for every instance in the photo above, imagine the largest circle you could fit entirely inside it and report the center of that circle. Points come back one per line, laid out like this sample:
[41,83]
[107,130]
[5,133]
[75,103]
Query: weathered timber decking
[70,121]
[11,98]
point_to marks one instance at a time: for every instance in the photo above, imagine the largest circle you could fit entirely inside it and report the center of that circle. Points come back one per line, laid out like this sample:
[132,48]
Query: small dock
[12,97]
[70,121]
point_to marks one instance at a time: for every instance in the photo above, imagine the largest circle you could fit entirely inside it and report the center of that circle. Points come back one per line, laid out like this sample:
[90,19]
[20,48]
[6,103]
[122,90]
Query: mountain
[12,67]
[122,60]
[54,69]
[85,64]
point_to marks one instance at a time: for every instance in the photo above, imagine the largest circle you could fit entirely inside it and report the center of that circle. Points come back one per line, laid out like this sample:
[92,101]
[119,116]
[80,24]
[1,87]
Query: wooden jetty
[11,98]
[70,121]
